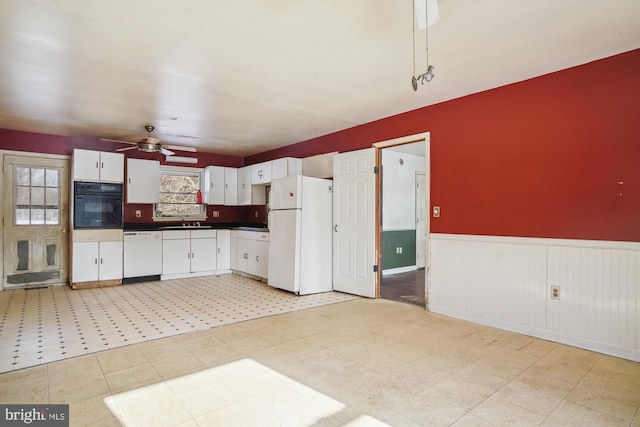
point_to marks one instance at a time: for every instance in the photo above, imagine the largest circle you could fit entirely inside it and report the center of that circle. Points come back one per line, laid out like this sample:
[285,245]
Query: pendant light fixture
[425,12]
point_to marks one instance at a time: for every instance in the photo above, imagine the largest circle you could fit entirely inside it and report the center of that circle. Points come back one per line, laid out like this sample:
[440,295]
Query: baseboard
[600,347]
[397,270]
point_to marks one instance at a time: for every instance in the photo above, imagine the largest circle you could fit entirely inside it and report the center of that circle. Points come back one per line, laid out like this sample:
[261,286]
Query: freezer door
[286,193]
[284,250]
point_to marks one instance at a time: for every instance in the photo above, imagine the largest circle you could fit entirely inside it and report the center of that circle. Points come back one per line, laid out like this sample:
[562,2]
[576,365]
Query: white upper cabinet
[143,181]
[261,173]
[244,185]
[231,186]
[89,165]
[214,185]
[285,166]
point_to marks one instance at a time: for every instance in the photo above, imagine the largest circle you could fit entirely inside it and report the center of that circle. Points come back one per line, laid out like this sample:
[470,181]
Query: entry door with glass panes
[36,218]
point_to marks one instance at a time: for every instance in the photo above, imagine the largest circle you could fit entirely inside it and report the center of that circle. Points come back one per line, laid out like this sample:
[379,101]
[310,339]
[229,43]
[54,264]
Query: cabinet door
[286,166]
[86,165]
[214,185]
[242,255]
[234,249]
[111,167]
[143,181]
[203,255]
[223,250]
[244,185]
[252,257]
[231,186]
[263,259]
[85,262]
[261,173]
[176,256]
[110,261]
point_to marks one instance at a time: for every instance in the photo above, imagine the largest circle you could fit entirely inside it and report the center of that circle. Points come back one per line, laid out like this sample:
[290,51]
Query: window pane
[179,210]
[23,216]
[52,248]
[178,198]
[52,197]
[22,250]
[37,216]
[53,216]
[37,196]
[52,177]
[22,176]
[37,177]
[23,196]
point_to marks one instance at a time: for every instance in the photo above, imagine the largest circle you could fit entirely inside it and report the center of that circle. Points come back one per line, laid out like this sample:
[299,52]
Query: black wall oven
[97,205]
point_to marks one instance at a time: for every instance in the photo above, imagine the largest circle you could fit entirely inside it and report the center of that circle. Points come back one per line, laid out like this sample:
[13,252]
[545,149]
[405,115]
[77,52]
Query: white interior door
[354,250]
[421,219]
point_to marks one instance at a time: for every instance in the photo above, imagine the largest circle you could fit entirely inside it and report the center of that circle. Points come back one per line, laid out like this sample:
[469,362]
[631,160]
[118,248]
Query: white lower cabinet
[252,253]
[176,253]
[94,261]
[203,252]
[195,252]
[223,250]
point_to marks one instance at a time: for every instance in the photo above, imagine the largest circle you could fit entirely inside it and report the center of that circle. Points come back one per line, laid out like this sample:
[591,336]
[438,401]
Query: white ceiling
[241,77]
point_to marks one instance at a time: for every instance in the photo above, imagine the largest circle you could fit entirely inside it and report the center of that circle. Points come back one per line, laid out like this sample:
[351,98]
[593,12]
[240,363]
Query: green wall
[398,238]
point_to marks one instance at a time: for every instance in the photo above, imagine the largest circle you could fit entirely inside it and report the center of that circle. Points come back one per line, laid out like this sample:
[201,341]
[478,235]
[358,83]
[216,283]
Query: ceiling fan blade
[180,148]
[167,152]
[117,140]
[126,149]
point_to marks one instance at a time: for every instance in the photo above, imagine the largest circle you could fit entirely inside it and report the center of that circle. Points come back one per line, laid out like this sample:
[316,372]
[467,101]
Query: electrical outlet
[555,292]
[216,214]
[138,213]
[399,249]
[255,214]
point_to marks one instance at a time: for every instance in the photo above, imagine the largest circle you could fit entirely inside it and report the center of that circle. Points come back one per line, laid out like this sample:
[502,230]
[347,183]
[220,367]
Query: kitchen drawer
[176,234]
[203,234]
[262,236]
[248,235]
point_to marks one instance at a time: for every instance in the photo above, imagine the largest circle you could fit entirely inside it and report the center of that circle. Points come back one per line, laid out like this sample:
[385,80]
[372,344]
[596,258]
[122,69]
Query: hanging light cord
[426,28]
[413,21]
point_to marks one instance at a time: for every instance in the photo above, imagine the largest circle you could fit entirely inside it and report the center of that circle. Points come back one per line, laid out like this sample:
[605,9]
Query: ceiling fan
[151,144]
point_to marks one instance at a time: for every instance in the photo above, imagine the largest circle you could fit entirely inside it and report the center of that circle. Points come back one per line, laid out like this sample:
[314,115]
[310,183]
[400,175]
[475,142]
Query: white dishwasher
[142,254]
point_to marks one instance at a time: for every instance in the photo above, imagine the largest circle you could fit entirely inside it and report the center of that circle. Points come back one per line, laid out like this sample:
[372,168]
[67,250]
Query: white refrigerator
[300,221]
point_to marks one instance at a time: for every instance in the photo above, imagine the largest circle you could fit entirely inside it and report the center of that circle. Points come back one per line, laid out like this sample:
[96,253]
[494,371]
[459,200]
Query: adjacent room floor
[405,287]
[356,363]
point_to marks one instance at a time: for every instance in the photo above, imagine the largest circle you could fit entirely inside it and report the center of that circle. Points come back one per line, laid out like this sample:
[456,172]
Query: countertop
[160,226]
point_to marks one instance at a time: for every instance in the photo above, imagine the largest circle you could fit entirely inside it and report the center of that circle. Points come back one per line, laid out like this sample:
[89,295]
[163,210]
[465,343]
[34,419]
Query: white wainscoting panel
[506,282]
[599,294]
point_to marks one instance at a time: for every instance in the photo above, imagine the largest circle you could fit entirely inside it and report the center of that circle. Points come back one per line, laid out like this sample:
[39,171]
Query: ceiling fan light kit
[151,144]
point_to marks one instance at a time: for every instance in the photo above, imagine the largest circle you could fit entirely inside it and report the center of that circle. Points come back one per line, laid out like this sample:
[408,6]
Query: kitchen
[173,245]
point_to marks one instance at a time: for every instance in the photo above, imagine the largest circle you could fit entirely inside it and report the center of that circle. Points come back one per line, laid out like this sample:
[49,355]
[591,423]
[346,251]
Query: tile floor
[357,363]
[44,325]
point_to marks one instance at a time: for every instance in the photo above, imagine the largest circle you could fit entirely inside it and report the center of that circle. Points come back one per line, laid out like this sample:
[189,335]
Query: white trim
[418,137]
[600,244]
[601,347]
[397,270]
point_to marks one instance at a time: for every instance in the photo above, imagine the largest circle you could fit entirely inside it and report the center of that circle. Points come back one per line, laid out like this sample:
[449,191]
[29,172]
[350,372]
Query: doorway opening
[403,221]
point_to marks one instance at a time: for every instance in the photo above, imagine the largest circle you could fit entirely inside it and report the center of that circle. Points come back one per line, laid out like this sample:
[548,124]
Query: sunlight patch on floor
[243,392]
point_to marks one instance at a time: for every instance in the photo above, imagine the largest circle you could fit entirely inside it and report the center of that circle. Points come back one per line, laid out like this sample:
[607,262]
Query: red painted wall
[555,156]
[54,144]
